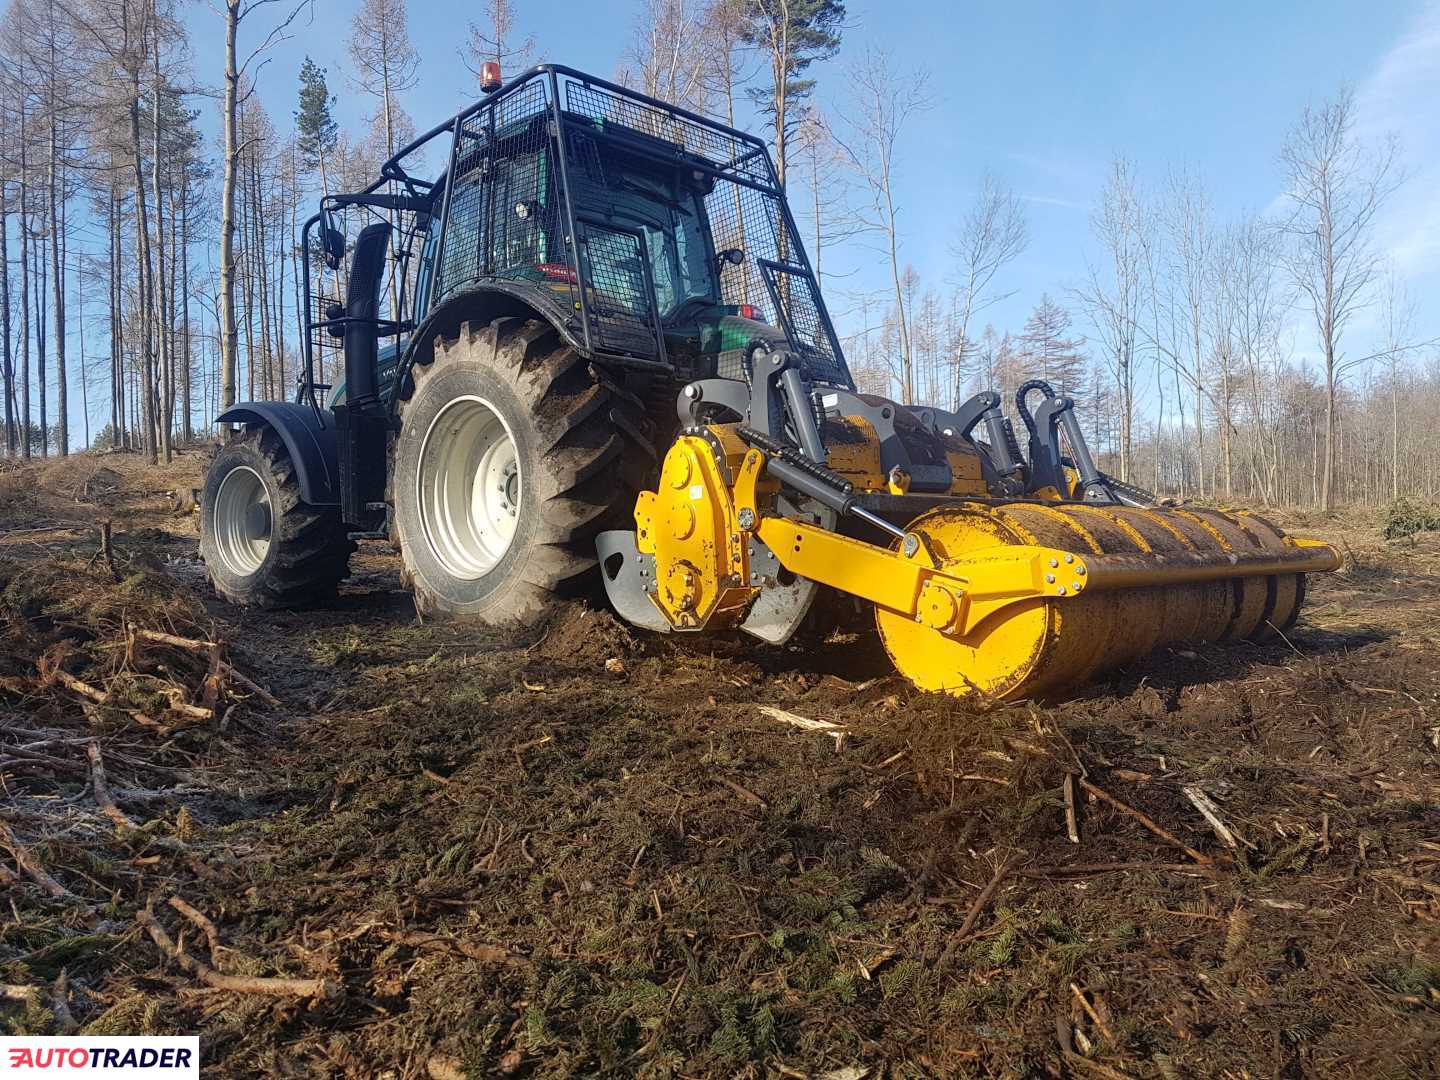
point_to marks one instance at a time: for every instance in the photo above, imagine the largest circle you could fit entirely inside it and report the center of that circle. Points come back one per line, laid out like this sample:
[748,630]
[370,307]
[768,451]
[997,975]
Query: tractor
[594,350]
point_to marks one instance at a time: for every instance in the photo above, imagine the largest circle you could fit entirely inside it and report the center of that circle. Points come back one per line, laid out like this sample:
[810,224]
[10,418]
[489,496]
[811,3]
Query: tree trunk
[57,276]
[187,429]
[160,302]
[229,332]
[9,367]
[147,278]
[38,254]
[25,432]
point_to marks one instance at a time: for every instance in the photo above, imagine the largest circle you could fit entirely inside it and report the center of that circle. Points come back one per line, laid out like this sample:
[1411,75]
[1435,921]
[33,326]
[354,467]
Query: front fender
[309,439]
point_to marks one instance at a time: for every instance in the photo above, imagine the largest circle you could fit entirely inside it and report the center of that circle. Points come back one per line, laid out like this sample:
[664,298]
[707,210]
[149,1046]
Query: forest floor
[591,852]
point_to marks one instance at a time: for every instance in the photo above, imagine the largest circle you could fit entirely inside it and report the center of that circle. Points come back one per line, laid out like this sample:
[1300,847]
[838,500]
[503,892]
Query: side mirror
[334,241]
[733,256]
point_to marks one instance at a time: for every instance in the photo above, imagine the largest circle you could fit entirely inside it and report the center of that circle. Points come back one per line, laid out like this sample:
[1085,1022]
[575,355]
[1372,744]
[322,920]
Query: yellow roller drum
[1039,647]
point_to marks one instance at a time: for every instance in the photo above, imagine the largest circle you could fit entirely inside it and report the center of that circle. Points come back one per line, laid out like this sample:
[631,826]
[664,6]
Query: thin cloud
[1054,200]
[1401,96]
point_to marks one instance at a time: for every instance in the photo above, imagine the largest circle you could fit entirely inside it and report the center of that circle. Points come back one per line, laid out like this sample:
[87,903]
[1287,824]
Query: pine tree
[315,125]
[792,35]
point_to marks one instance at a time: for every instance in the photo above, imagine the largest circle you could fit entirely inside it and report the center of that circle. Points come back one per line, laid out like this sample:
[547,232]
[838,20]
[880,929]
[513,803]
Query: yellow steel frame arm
[951,602]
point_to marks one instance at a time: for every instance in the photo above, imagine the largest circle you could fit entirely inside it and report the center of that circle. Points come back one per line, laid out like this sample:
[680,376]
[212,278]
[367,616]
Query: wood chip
[745,793]
[802,722]
[1072,812]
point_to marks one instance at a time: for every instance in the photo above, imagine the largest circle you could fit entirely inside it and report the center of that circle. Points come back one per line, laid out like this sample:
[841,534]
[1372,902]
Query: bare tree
[1191,239]
[826,178]
[1398,311]
[387,63]
[1337,184]
[495,41]
[1050,350]
[884,101]
[668,54]
[1113,294]
[234,13]
[992,234]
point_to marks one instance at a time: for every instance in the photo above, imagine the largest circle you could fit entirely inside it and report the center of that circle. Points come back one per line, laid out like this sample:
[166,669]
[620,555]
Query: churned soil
[345,841]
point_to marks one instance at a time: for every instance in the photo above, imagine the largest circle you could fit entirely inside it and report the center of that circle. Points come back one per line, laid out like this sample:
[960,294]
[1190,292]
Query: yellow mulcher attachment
[988,573]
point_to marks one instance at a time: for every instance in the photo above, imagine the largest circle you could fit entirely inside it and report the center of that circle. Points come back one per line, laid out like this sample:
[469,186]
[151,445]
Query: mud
[582,850]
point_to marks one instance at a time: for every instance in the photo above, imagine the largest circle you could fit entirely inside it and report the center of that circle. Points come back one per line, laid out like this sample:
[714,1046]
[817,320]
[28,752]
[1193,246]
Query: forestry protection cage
[527,160]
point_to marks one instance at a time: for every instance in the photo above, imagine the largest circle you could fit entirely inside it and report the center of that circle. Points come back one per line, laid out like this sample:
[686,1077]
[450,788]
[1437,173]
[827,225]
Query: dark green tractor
[513,337]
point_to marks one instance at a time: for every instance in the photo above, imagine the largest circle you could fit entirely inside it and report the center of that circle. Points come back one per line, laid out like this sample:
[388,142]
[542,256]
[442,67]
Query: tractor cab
[654,239]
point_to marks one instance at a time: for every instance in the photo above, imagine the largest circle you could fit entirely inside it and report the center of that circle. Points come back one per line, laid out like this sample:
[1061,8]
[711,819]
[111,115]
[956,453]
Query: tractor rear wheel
[262,544]
[507,466]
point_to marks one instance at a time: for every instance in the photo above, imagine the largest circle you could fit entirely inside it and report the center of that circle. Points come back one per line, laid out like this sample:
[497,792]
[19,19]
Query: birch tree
[1337,184]
[992,234]
[885,100]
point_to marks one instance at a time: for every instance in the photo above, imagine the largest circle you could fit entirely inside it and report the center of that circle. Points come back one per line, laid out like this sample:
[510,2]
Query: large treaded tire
[309,552]
[576,467]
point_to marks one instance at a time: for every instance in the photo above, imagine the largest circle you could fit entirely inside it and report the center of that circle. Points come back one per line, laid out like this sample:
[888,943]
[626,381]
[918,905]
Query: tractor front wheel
[262,544]
[507,465]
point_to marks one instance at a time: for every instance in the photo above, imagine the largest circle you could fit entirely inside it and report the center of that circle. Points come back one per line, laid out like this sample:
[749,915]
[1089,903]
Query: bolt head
[1054,562]
[1049,579]
[1080,570]
[692,392]
[1060,589]
[747,518]
[1075,585]
[1069,558]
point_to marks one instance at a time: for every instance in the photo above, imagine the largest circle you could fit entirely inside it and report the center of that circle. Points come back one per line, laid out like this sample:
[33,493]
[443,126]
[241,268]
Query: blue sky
[1041,93]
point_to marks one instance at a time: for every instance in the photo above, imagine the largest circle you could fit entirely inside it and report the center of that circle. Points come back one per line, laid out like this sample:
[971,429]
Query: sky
[1043,93]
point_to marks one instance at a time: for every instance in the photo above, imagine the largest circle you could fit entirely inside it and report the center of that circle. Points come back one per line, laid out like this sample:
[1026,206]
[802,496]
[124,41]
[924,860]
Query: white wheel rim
[469,487]
[243,521]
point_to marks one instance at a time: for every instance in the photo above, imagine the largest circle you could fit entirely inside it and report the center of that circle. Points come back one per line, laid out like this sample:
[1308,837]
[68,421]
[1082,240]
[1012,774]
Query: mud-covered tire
[307,553]
[574,463]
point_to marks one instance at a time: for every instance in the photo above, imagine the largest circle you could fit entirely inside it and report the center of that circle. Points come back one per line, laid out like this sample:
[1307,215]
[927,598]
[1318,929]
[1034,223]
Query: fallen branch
[184,708]
[744,793]
[240,984]
[70,682]
[102,790]
[13,992]
[28,863]
[1085,869]
[1130,811]
[162,638]
[211,647]
[1090,1012]
[1094,1066]
[212,936]
[19,756]
[973,915]
[1211,813]
[1072,812]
